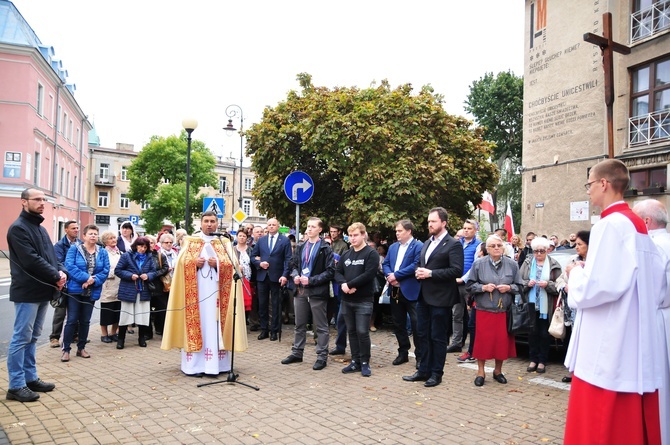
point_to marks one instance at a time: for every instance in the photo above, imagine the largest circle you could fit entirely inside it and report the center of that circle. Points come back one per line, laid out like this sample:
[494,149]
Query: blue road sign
[216,205]
[299,187]
[134,220]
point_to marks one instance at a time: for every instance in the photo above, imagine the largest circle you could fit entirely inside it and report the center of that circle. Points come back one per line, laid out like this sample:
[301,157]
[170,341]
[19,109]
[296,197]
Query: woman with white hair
[539,274]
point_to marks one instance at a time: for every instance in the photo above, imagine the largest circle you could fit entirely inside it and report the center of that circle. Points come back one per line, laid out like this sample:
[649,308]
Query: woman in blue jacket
[87,265]
[136,270]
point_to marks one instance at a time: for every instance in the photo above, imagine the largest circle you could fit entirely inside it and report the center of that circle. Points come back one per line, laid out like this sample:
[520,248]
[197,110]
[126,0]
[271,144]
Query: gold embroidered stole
[192,309]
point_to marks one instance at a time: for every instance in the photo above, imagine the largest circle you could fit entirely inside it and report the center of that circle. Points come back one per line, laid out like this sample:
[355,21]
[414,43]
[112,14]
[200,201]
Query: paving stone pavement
[138,395]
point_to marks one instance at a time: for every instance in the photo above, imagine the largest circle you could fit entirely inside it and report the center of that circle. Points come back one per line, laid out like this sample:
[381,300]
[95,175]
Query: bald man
[655,216]
[271,256]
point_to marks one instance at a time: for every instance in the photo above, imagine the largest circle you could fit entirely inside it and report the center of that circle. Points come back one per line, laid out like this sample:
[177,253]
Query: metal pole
[188,178]
[297,223]
[231,112]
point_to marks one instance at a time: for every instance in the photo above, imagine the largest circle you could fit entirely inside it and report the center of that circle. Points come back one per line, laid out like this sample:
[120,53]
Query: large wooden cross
[608,46]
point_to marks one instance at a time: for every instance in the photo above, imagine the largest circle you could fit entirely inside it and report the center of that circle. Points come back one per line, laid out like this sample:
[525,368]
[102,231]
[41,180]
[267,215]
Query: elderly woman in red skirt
[494,281]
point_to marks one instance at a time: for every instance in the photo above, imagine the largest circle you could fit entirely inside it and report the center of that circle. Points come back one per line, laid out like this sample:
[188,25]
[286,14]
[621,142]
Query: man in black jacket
[70,238]
[440,264]
[312,269]
[36,275]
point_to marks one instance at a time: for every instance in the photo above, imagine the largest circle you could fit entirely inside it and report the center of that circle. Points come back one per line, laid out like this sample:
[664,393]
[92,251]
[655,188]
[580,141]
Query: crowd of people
[202,292]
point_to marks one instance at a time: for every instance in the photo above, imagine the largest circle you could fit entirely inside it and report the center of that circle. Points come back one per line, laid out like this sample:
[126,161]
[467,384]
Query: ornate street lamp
[232,111]
[189,125]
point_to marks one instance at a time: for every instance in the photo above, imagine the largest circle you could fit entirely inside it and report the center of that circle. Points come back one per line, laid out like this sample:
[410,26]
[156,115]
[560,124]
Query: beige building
[110,184]
[565,118]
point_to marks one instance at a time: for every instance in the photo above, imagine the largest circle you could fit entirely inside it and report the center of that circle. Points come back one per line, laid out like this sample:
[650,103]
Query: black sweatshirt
[359,271]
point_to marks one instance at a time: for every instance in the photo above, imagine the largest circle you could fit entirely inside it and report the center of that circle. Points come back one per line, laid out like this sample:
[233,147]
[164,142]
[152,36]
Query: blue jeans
[28,321]
[433,322]
[357,317]
[79,310]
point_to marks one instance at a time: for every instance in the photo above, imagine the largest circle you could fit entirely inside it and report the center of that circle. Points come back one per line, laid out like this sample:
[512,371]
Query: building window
[77,143]
[144,205]
[103,199]
[248,183]
[223,184]
[124,203]
[74,188]
[246,206]
[62,178]
[51,108]
[124,173]
[650,103]
[649,17]
[69,131]
[651,177]
[63,125]
[36,169]
[104,170]
[40,99]
[67,184]
[59,125]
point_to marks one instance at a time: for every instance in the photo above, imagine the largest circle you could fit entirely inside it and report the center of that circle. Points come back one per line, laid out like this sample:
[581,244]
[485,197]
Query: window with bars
[650,103]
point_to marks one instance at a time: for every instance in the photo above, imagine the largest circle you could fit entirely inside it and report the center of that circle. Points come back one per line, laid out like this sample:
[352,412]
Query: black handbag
[59,299]
[520,318]
[151,286]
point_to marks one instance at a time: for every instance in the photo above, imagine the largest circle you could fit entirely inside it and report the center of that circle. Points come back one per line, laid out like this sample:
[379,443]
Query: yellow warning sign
[240,216]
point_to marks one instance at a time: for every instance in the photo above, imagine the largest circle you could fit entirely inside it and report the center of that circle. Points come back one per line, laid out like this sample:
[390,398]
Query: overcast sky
[142,66]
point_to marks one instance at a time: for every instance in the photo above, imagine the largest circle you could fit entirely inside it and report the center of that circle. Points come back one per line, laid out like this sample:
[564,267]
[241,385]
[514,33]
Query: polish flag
[487,203]
[509,223]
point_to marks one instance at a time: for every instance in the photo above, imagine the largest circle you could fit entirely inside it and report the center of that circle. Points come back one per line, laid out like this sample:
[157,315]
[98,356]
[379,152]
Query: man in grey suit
[440,264]
[271,256]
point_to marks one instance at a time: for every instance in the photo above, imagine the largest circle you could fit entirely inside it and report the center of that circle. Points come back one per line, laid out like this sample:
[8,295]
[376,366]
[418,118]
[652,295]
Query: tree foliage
[496,102]
[158,176]
[376,155]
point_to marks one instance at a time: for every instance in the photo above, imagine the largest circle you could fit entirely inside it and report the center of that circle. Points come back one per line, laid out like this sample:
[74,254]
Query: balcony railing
[649,21]
[649,128]
[104,181]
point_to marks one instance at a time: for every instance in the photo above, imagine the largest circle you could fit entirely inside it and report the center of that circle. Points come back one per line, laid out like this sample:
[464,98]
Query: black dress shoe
[263,335]
[400,359]
[120,344]
[542,370]
[532,368]
[336,351]
[319,365]
[454,348]
[479,381]
[291,359]
[500,378]
[40,386]
[566,379]
[142,341]
[273,336]
[434,380]
[416,377]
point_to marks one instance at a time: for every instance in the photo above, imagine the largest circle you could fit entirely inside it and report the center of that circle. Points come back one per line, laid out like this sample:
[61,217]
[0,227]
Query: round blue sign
[299,187]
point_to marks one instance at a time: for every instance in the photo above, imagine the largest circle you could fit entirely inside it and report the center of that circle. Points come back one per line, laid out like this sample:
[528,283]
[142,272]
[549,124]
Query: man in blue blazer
[271,256]
[399,267]
[440,264]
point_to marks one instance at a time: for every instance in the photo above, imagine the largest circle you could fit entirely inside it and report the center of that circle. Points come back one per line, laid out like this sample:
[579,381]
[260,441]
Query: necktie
[272,242]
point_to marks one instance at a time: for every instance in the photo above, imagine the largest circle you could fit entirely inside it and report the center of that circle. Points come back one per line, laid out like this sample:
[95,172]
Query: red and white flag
[487,203]
[509,223]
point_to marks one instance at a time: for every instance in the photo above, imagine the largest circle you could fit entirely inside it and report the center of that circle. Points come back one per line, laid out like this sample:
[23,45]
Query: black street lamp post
[189,125]
[232,111]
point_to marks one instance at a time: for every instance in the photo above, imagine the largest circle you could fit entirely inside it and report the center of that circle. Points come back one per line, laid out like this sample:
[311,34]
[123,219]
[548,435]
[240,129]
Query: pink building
[43,131]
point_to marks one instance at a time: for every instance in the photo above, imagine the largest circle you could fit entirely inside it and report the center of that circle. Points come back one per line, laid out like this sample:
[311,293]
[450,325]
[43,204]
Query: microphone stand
[232,377]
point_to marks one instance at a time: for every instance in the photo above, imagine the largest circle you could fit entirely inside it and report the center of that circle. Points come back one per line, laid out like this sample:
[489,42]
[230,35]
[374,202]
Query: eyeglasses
[540,251]
[587,186]
[494,245]
[37,199]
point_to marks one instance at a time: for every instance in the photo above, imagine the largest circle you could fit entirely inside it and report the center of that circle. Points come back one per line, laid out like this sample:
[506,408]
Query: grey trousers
[457,320]
[302,308]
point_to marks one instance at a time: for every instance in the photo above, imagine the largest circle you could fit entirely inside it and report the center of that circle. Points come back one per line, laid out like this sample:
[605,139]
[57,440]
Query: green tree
[496,102]
[376,155]
[158,176]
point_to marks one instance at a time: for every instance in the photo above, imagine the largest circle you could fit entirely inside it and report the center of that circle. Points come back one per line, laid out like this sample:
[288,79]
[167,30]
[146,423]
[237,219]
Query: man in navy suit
[399,267]
[440,264]
[271,256]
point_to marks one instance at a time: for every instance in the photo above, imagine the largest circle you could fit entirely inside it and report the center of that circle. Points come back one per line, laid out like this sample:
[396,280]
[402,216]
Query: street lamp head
[189,124]
[230,127]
